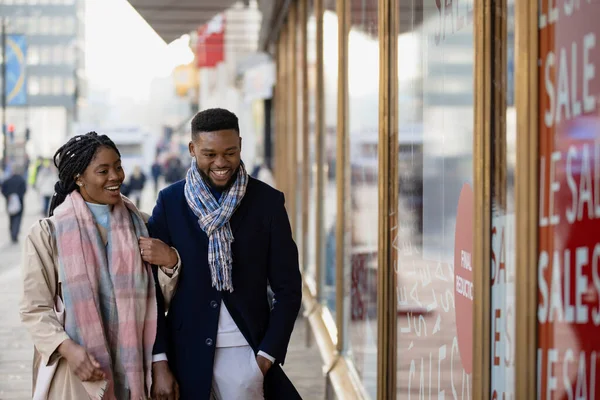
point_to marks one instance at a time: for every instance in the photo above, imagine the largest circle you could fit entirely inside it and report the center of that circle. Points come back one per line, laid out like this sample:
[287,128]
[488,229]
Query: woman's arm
[40,284]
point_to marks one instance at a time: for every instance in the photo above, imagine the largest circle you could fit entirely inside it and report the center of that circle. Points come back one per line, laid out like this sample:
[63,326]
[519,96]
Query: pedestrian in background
[13,190]
[137,182]
[44,183]
[89,299]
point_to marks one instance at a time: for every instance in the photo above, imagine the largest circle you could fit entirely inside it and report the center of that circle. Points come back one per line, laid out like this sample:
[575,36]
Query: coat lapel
[239,214]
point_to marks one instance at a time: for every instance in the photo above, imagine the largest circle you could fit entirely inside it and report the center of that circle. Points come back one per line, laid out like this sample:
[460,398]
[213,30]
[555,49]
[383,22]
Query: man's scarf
[87,272]
[213,218]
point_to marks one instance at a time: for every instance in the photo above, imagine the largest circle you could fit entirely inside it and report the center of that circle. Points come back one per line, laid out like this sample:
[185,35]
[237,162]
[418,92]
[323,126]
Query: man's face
[218,156]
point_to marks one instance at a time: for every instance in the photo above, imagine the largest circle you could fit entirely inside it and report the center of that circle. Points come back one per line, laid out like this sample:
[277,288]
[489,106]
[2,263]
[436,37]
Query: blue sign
[16,80]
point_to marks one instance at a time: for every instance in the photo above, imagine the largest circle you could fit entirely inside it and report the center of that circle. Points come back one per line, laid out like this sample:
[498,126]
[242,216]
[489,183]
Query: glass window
[33,86]
[311,58]
[69,26]
[44,25]
[45,85]
[568,312]
[69,86]
[33,25]
[57,86]
[434,236]
[45,55]
[363,197]
[504,137]
[330,90]
[298,148]
[58,54]
[33,55]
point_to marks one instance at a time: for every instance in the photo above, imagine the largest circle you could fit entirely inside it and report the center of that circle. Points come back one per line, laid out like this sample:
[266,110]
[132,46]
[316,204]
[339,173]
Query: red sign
[569,204]
[463,276]
[210,47]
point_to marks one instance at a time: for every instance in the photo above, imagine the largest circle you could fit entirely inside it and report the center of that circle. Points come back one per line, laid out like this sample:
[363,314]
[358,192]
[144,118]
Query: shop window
[503,153]
[568,313]
[433,239]
[310,158]
[330,91]
[363,197]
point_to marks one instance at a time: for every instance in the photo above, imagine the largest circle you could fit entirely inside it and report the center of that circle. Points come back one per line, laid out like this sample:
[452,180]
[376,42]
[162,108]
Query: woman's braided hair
[72,159]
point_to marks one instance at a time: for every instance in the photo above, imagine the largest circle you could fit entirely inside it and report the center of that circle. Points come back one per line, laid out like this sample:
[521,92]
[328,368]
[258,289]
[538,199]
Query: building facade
[55,65]
[440,165]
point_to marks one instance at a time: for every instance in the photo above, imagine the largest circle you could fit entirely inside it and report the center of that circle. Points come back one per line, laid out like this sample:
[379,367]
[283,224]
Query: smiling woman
[84,267]
[91,164]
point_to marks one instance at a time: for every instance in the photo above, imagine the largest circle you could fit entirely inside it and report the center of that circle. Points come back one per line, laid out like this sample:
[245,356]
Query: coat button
[209,342]
[214,304]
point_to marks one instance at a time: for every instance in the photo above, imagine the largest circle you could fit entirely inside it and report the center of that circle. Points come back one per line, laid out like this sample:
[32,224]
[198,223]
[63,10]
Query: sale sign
[568,267]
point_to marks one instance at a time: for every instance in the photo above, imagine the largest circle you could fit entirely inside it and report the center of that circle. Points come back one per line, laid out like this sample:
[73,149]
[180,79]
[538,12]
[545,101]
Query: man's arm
[286,283]
[157,227]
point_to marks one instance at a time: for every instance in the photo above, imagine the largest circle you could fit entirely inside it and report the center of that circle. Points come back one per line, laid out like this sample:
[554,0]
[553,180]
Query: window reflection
[311,56]
[330,72]
[435,160]
[363,96]
[503,233]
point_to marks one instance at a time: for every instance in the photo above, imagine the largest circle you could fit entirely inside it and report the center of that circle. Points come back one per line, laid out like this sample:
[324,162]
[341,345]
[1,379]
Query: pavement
[303,364]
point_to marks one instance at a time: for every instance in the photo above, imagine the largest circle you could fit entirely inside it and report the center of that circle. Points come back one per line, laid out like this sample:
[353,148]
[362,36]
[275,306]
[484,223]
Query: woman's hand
[83,364]
[156,252]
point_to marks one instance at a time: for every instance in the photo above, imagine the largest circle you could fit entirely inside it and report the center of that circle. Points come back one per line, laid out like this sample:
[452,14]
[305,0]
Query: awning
[173,18]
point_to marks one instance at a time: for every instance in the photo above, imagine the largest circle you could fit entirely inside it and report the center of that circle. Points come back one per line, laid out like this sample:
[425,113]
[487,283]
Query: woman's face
[101,181]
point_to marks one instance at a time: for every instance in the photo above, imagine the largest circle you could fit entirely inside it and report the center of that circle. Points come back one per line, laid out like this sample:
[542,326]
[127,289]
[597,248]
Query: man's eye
[209,155]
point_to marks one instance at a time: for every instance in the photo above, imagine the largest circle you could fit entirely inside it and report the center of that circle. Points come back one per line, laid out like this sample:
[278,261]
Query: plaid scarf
[110,299]
[213,218]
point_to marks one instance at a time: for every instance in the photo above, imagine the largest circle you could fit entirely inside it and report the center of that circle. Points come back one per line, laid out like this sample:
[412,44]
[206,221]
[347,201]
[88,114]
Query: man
[233,237]
[13,189]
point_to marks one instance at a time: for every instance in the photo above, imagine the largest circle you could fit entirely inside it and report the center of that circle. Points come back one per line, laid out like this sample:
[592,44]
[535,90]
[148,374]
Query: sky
[123,53]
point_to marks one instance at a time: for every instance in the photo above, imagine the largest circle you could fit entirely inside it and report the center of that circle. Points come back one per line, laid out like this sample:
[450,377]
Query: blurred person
[14,188]
[234,237]
[137,182]
[44,183]
[263,173]
[156,173]
[175,171]
[89,295]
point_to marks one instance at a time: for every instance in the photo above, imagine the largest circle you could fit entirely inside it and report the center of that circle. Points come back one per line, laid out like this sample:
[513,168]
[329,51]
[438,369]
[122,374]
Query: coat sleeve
[39,288]
[286,283]
[158,228]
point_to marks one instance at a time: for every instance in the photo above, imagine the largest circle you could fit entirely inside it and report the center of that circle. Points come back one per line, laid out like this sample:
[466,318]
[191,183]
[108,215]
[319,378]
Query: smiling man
[224,339]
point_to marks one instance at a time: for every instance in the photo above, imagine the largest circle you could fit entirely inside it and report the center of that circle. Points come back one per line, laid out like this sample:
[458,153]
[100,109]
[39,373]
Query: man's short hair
[214,119]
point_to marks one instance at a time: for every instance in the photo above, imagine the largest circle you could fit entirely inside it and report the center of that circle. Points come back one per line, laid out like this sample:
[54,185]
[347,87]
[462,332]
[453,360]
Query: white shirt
[228,333]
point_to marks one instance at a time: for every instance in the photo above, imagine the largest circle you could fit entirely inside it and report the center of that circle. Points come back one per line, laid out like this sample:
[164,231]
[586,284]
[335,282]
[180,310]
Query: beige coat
[40,285]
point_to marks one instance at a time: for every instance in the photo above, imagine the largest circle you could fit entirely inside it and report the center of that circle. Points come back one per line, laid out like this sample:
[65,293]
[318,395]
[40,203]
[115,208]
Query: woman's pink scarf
[82,256]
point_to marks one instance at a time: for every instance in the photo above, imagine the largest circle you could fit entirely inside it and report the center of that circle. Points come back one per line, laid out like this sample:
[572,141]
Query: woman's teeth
[113,188]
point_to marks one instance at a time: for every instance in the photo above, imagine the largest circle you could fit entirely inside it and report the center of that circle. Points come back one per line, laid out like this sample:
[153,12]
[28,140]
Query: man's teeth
[220,173]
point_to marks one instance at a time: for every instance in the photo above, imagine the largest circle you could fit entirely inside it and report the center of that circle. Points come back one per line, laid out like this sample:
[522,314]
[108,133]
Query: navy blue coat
[263,252]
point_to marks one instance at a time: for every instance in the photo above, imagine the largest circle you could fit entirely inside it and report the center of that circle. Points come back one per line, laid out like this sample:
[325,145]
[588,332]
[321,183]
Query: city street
[303,365]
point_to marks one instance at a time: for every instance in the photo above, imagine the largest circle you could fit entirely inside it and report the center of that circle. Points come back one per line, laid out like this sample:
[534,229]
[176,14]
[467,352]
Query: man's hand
[164,385]
[264,364]
[156,252]
[83,364]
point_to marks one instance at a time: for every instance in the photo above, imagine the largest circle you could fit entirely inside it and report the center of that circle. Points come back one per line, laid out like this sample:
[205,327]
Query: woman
[89,298]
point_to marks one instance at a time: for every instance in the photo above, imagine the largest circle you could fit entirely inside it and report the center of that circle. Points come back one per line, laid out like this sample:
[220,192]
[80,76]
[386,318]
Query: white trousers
[236,374]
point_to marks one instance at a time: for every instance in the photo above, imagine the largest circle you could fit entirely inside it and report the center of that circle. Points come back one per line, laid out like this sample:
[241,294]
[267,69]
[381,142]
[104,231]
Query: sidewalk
[303,365]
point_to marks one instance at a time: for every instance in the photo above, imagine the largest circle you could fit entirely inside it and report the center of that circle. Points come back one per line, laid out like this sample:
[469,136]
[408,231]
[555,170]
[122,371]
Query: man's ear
[191,149]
